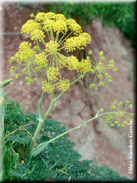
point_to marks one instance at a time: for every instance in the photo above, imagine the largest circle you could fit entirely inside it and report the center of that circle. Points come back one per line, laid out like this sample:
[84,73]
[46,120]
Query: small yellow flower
[101,53]
[25,53]
[12,59]
[100,76]
[112,125]
[37,35]
[91,86]
[72,63]
[48,25]
[29,27]
[60,17]
[41,59]
[63,85]
[70,21]
[50,15]
[47,87]
[121,114]
[101,84]
[115,102]
[76,28]
[22,161]
[61,61]
[84,66]
[52,47]
[112,107]
[17,76]
[41,16]
[52,73]
[60,26]
[79,42]
[70,44]
[31,15]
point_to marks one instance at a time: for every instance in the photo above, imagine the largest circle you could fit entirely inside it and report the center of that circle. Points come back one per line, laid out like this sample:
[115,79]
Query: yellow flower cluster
[60,17]
[61,61]
[70,22]
[25,45]
[41,59]
[48,25]
[63,85]
[40,17]
[47,87]
[36,59]
[52,47]
[84,66]
[76,28]
[57,23]
[72,63]
[120,115]
[52,73]
[100,69]
[37,35]
[60,26]
[25,53]
[79,42]
[87,38]
[29,27]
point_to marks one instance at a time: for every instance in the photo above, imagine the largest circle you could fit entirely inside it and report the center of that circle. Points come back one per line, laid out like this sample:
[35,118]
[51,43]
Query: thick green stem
[41,117]
[49,110]
[41,121]
[35,136]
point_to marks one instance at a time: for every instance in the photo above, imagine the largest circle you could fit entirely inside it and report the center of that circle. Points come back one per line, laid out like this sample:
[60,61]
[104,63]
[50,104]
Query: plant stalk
[43,145]
[41,117]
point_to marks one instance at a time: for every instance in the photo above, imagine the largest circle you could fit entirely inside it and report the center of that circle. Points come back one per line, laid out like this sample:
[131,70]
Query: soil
[105,145]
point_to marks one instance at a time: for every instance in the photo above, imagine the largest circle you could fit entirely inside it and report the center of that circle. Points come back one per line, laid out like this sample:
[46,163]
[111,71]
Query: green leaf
[5,83]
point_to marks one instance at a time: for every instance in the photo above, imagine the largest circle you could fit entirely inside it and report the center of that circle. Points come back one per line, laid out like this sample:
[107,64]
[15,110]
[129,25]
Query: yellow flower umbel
[78,42]
[61,34]
[63,85]
[120,114]
[99,69]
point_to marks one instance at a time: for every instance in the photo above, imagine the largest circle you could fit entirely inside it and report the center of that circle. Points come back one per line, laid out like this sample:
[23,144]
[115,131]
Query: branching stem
[43,145]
